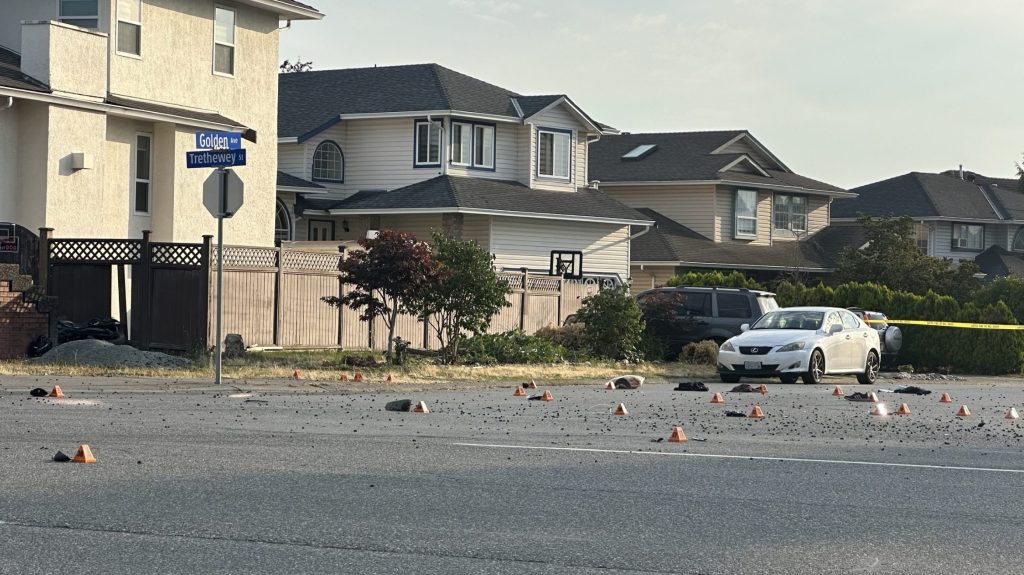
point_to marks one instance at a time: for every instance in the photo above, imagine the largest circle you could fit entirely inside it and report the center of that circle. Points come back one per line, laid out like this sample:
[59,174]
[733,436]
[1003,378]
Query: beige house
[101,99]
[422,147]
[721,200]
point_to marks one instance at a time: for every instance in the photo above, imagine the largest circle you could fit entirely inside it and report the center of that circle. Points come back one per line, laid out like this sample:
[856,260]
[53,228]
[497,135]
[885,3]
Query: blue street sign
[215,159]
[218,141]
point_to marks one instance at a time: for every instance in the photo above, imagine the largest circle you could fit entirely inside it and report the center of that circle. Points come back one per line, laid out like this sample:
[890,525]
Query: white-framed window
[553,149]
[790,213]
[473,145]
[142,191]
[968,237]
[84,13]
[129,27]
[483,146]
[223,41]
[921,236]
[282,223]
[1018,241]
[746,213]
[428,144]
[328,163]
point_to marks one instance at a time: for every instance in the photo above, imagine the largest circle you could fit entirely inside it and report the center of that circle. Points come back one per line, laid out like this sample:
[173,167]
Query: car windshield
[809,320]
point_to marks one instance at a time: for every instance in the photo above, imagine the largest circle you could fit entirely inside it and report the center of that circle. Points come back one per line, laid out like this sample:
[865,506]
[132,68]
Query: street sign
[233,195]
[215,159]
[218,141]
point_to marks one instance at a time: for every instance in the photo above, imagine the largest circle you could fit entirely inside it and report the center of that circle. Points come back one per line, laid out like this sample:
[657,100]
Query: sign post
[223,194]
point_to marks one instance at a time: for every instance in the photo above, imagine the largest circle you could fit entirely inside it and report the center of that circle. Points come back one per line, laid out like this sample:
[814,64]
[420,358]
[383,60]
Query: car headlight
[795,346]
[727,346]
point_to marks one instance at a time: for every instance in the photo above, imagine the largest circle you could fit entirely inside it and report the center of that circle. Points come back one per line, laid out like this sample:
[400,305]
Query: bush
[511,347]
[613,324]
[700,353]
[653,348]
[1009,290]
[570,337]
[733,279]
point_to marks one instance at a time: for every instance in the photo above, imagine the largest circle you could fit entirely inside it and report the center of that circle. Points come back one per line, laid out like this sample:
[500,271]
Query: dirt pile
[98,353]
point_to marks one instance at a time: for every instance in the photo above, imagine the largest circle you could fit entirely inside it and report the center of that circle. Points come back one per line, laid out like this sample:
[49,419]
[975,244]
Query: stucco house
[422,147]
[958,215]
[101,99]
[721,200]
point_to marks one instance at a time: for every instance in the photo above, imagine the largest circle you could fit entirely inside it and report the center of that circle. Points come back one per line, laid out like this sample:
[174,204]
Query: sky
[845,91]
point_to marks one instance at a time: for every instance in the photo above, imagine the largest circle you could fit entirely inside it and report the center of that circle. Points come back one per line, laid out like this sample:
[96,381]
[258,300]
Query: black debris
[691,386]
[38,392]
[61,457]
[731,413]
[399,405]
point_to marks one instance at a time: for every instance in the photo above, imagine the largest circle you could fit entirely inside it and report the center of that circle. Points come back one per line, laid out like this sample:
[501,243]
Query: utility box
[81,161]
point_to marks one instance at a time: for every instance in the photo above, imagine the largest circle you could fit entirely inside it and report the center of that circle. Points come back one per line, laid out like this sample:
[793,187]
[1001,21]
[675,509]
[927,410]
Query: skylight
[639,151]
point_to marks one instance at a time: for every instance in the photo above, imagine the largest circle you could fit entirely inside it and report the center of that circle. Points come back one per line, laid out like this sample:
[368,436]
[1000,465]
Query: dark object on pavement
[858,396]
[399,405]
[234,346]
[40,345]
[691,386]
[912,389]
[38,392]
[731,413]
[59,456]
[744,388]
[628,382]
[536,397]
[108,329]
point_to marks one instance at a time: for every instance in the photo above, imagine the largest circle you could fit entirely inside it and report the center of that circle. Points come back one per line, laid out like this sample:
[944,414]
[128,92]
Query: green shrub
[510,347]
[905,368]
[653,348]
[733,279]
[700,353]
[570,337]
[613,324]
[1009,290]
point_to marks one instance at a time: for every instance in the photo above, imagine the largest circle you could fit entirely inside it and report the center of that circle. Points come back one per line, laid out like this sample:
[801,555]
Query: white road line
[747,457]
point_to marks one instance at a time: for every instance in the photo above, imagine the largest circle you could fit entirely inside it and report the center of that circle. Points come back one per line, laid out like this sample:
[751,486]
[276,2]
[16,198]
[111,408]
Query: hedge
[935,348]
[733,279]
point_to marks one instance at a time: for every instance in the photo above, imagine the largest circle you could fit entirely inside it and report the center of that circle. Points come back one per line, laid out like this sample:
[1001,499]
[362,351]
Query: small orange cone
[880,410]
[297,374]
[963,411]
[756,413]
[531,385]
[873,397]
[519,392]
[945,398]
[763,389]
[609,385]
[717,398]
[547,396]
[903,409]
[421,407]
[84,455]
[56,392]
[390,379]
[1011,414]
[344,377]
[838,391]
[621,409]
[358,376]
[677,436]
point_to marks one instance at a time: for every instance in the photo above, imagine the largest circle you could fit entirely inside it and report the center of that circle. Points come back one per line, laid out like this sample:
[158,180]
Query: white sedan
[807,342]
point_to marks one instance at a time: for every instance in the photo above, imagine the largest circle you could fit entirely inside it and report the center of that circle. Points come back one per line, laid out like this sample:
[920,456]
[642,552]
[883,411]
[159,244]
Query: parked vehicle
[807,342]
[706,313]
[890,335]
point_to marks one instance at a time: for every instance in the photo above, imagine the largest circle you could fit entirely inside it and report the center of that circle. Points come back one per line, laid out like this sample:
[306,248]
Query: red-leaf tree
[389,274]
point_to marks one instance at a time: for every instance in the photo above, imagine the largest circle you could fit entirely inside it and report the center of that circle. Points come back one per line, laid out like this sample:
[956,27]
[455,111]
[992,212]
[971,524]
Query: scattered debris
[745,388]
[399,405]
[731,413]
[691,386]
[912,389]
[860,396]
[628,382]
[61,457]
[38,392]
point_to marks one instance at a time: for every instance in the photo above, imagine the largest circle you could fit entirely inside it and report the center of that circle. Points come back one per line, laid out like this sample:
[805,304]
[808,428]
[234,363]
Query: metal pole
[220,272]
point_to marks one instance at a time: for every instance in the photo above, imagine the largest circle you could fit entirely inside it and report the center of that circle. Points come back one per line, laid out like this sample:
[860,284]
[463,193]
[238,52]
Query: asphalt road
[192,480]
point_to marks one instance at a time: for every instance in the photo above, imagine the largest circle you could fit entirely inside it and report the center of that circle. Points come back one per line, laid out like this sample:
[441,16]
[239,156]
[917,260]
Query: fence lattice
[189,255]
[96,251]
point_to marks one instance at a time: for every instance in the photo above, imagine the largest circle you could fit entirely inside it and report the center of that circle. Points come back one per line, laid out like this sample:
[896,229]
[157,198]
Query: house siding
[523,242]
[478,229]
[725,217]
[506,154]
[417,225]
[649,277]
[691,206]
[942,237]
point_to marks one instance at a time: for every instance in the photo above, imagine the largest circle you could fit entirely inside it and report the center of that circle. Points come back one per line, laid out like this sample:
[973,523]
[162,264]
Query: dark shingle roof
[681,156]
[171,110]
[290,181]
[996,261]
[923,195]
[530,105]
[11,75]
[671,241]
[492,195]
[834,238]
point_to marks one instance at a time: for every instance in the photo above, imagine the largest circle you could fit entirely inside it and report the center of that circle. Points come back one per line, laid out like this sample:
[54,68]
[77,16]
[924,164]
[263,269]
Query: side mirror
[744,327]
[836,328]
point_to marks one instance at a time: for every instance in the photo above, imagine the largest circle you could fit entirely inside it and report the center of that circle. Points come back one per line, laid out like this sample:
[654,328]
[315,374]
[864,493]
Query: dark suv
[687,314]
[889,336]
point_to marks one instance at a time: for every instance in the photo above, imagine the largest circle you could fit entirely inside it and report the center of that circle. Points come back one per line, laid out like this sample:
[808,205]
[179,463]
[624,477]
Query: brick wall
[20,321]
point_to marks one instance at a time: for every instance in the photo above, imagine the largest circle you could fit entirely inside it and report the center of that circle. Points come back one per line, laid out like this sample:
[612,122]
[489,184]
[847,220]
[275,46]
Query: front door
[321,231]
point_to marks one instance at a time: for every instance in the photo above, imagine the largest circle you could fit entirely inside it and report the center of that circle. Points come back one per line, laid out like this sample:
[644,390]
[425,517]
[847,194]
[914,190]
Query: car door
[731,311]
[857,335]
[694,311]
[836,345]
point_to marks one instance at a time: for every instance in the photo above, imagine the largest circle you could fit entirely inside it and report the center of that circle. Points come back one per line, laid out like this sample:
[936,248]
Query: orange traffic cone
[717,398]
[621,409]
[519,392]
[945,398]
[903,409]
[609,385]
[84,455]
[297,374]
[677,436]
[963,411]
[838,391]
[56,392]
[344,377]
[880,410]
[1011,414]
[756,413]
[358,376]
[421,407]
[390,379]
[547,396]
[763,389]
[873,397]
[531,385]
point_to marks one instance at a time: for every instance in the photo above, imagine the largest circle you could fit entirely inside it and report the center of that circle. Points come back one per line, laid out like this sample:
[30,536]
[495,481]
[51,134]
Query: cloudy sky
[846,91]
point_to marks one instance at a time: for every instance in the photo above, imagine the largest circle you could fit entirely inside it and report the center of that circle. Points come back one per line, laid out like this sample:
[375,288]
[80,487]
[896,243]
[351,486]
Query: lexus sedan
[802,342]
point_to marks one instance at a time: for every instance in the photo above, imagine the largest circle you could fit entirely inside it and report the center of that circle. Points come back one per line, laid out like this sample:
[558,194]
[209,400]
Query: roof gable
[926,195]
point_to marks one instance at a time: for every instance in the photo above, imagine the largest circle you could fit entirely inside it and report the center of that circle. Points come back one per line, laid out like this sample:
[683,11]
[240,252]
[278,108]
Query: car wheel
[726,378]
[815,368]
[788,378]
[870,369]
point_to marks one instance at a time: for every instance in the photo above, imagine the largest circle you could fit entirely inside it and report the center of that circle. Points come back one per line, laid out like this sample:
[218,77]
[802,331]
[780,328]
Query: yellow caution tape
[959,324]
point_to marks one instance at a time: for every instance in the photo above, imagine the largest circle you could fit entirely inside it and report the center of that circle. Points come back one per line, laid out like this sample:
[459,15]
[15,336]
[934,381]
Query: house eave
[301,190]
[726,182]
[484,212]
[938,219]
[683,263]
[285,10]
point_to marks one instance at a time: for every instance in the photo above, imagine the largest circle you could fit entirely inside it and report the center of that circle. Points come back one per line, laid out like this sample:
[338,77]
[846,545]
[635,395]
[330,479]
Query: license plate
[751,365]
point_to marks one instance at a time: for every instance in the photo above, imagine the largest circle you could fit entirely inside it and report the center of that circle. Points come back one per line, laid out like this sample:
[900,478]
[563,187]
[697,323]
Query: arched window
[328,163]
[1018,241]
[282,223]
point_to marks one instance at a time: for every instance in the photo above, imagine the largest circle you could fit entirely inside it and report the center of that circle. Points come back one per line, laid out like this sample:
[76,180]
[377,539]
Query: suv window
[733,305]
[850,321]
[694,304]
